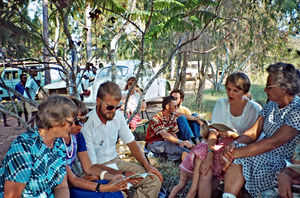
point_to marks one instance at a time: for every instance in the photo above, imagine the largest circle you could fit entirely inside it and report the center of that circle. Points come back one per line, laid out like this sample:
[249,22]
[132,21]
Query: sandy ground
[8,134]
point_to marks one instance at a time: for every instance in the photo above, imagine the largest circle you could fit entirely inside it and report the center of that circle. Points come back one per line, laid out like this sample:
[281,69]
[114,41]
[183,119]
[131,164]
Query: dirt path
[8,134]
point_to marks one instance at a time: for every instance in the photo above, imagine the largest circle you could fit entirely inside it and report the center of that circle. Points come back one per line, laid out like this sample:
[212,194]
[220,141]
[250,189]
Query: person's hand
[206,165]
[122,185]
[228,152]
[227,156]
[91,177]
[284,185]
[116,177]
[135,180]
[187,144]
[151,169]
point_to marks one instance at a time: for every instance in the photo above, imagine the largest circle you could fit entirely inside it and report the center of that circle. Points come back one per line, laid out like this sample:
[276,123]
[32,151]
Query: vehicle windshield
[106,72]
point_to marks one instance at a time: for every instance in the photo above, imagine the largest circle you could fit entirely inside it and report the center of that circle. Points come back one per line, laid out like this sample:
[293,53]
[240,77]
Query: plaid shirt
[30,161]
[158,123]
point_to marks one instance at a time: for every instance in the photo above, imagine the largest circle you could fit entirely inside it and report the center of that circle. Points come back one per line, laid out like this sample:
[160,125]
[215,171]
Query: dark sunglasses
[80,121]
[112,107]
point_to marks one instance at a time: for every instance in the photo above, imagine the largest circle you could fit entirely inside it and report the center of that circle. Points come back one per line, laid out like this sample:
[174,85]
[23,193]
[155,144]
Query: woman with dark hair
[85,178]
[258,154]
[35,164]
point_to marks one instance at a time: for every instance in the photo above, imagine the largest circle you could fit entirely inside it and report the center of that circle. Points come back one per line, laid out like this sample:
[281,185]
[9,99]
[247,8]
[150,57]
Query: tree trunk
[46,41]
[177,80]
[88,25]
[57,29]
[183,70]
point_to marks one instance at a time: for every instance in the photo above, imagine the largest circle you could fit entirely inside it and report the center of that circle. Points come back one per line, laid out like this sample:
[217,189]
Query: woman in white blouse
[236,111]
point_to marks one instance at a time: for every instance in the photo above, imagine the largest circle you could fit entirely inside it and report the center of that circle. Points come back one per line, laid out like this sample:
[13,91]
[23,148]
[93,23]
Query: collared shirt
[20,88]
[30,161]
[183,109]
[33,88]
[101,138]
[158,123]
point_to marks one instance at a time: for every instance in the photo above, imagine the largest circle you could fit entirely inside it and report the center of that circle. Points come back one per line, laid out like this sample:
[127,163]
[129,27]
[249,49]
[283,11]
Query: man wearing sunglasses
[105,125]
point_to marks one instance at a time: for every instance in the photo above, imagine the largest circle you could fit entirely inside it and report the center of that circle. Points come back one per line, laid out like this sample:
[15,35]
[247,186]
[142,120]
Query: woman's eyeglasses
[70,122]
[268,87]
[80,122]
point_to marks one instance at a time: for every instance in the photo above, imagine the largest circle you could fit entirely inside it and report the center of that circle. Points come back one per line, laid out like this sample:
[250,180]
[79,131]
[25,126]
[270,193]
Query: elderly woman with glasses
[35,164]
[258,154]
[84,178]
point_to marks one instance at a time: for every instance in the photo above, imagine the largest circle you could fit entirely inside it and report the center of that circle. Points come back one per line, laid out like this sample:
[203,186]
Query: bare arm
[62,190]
[173,138]
[253,133]
[90,185]
[13,189]
[139,156]
[90,169]
[280,137]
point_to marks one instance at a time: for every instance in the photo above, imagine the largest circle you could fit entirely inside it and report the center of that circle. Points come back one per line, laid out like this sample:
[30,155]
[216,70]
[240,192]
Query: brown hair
[110,88]
[240,80]
[180,91]
[80,105]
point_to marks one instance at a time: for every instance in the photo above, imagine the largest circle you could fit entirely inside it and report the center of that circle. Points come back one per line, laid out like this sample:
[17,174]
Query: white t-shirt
[101,138]
[221,114]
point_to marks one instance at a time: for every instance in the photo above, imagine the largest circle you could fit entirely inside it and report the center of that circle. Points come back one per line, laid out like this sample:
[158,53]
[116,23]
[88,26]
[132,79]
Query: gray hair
[110,88]
[54,110]
[285,76]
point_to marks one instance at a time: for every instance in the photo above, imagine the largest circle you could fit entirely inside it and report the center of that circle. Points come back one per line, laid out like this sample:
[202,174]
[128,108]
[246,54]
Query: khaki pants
[148,187]
[30,108]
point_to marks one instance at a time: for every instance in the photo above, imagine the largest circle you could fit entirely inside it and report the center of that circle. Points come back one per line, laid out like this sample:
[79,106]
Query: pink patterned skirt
[200,150]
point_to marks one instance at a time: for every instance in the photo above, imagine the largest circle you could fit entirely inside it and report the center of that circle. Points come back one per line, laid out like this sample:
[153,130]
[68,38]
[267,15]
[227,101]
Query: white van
[125,69]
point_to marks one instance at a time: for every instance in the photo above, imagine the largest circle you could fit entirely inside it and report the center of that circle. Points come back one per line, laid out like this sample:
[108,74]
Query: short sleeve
[293,119]
[266,110]
[18,164]
[81,145]
[156,125]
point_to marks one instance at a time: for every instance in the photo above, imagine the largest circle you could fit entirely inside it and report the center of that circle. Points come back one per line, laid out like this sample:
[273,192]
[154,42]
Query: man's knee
[181,118]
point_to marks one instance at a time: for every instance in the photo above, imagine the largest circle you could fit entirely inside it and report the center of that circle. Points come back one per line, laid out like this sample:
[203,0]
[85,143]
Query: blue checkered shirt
[30,161]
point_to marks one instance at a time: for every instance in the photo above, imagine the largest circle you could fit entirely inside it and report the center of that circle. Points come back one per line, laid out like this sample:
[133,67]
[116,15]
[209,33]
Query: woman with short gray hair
[258,155]
[35,164]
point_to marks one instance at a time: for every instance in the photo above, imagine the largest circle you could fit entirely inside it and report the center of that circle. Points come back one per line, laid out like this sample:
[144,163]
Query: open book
[219,126]
[135,176]
[294,167]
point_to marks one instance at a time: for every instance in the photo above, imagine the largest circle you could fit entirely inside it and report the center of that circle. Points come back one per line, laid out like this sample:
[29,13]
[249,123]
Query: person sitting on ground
[20,87]
[133,100]
[104,127]
[237,112]
[35,164]
[287,177]
[76,150]
[161,135]
[260,151]
[188,123]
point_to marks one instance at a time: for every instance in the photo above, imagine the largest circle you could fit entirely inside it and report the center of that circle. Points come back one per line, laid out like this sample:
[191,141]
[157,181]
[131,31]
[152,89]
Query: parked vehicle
[11,77]
[125,69]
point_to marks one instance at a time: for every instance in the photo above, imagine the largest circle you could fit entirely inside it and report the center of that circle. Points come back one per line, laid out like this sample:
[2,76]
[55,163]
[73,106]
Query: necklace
[69,155]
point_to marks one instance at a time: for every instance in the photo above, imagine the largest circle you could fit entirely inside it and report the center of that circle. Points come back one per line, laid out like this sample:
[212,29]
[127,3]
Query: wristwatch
[98,187]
